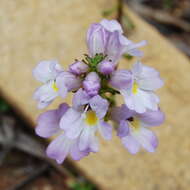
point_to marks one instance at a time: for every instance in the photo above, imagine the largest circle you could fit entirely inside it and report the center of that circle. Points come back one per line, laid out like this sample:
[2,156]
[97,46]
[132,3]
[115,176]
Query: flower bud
[78,68]
[106,67]
[96,39]
[91,84]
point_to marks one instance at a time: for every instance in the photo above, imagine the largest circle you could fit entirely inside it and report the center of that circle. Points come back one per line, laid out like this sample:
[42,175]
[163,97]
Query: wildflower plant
[95,81]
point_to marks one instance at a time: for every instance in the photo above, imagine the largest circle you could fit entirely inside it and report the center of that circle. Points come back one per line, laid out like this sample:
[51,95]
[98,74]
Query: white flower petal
[47,70]
[94,144]
[146,138]
[105,130]
[84,140]
[69,118]
[59,148]
[131,144]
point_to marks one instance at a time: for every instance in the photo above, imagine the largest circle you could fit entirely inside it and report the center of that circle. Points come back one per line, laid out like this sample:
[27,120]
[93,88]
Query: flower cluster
[95,81]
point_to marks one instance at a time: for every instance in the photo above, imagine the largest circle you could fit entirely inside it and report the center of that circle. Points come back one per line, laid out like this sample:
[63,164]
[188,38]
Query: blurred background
[170,17]
[23,163]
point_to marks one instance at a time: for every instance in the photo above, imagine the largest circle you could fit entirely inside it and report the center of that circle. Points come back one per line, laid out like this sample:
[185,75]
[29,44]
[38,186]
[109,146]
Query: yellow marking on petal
[135,124]
[135,88]
[54,86]
[91,118]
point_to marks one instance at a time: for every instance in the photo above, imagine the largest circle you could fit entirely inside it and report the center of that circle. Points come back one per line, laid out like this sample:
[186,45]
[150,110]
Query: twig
[120,11]
[11,138]
[7,136]
[160,16]
[30,146]
[35,174]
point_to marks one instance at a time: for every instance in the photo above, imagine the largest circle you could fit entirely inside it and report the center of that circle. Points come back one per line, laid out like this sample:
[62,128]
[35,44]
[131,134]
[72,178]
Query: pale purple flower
[84,119]
[56,82]
[78,68]
[91,84]
[138,92]
[46,72]
[107,38]
[134,128]
[106,67]
[61,146]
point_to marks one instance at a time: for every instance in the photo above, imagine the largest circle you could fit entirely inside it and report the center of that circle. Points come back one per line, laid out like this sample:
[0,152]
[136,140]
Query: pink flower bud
[91,84]
[78,68]
[106,67]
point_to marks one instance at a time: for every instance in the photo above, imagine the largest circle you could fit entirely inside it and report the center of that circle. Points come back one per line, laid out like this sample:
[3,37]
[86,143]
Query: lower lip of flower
[91,118]
[54,86]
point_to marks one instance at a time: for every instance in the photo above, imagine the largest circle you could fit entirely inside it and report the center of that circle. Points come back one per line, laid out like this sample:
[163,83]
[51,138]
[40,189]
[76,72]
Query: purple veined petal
[106,67]
[111,25]
[105,130]
[45,92]
[151,83]
[147,100]
[45,95]
[152,99]
[84,139]
[78,68]
[47,70]
[67,82]
[121,79]
[96,39]
[135,52]
[99,105]
[80,98]
[129,99]
[94,144]
[134,102]
[137,69]
[114,49]
[152,118]
[121,113]
[131,48]
[62,110]
[146,138]
[75,129]
[149,79]
[131,144]
[141,101]
[62,89]
[76,154]
[147,71]
[123,129]
[69,118]
[91,84]
[59,148]
[47,124]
